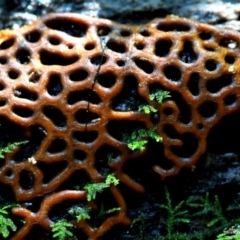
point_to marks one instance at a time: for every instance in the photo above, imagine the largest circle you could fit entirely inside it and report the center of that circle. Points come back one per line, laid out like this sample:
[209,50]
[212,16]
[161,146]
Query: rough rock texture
[72,85]
[15,13]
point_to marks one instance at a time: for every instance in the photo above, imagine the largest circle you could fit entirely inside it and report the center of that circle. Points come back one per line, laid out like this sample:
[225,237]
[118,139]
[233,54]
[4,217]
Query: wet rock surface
[16,13]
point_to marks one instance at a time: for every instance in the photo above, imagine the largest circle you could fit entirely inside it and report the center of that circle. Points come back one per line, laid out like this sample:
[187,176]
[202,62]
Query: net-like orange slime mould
[71,85]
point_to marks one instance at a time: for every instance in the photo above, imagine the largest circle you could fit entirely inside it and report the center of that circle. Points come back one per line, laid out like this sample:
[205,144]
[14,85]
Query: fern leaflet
[60,229]
[80,213]
[5,222]
[10,147]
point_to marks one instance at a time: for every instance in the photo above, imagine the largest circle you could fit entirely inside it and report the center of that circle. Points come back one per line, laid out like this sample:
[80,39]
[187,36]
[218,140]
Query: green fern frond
[60,229]
[5,221]
[232,233]
[94,188]
[137,145]
[159,95]
[135,141]
[205,207]
[111,179]
[104,212]
[80,213]
[152,134]
[111,210]
[146,109]
[10,147]
[174,214]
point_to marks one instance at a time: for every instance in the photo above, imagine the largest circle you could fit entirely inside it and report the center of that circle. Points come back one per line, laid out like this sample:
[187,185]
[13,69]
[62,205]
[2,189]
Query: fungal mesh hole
[10,136]
[9,196]
[144,32]
[189,142]
[139,45]
[200,126]
[83,95]
[23,56]
[230,99]
[57,145]
[173,26]
[33,36]
[116,46]
[85,136]
[229,59]
[51,58]
[98,59]
[124,128]
[125,32]
[22,92]
[165,164]
[23,112]
[172,73]
[207,109]
[205,35]
[156,159]
[55,115]
[70,45]
[79,155]
[182,105]
[54,40]
[39,231]
[70,27]
[1,86]
[89,46]
[163,47]
[13,74]
[104,155]
[188,55]
[128,99]
[168,111]
[3,60]
[54,86]
[34,76]
[170,131]
[103,30]
[120,63]
[3,102]
[37,136]
[228,43]
[78,75]
[193,84]
[106,80]
[215,85]
[83,117]
[51,170]
[7,44]
[9,173]
[210,49]
[11,132]
[26,180]
[211,65]
[189,147]
[144,65]
[77,180]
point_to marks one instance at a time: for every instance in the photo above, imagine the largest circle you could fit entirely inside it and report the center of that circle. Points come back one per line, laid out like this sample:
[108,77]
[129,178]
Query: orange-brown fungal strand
[75,127]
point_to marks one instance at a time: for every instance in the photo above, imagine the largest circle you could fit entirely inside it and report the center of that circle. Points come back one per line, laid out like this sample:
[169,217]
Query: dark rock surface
[15,13]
